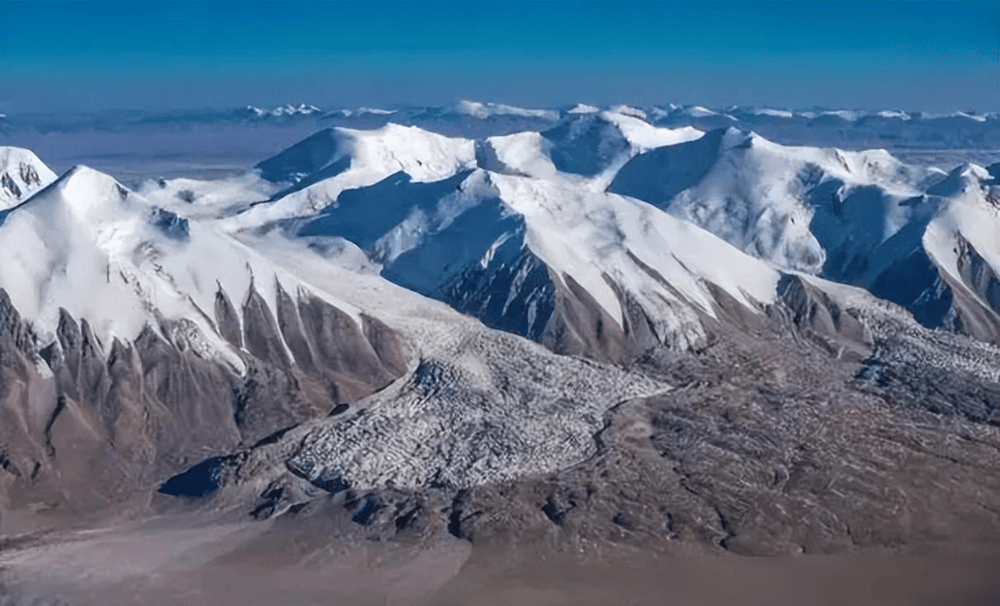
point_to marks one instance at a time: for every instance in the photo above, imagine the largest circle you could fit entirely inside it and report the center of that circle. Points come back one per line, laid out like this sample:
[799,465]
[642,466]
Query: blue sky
[933,56]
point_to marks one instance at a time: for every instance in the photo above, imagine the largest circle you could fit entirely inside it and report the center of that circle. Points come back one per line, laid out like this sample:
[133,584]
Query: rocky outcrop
[808,312]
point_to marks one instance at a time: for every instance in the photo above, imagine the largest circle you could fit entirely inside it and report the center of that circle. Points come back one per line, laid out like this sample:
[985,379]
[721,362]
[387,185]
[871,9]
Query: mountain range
[646,327]
[240,135]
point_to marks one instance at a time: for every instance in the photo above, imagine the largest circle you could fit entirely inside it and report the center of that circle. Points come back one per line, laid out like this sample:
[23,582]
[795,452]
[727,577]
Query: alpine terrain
[459,354]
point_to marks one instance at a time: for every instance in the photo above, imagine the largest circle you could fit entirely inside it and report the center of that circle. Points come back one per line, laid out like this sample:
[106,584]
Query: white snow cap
[21,175]
[89,245]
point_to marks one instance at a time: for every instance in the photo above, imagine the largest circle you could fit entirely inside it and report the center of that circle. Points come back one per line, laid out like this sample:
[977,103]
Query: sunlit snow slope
[852,217]
[21,175]
[88,247]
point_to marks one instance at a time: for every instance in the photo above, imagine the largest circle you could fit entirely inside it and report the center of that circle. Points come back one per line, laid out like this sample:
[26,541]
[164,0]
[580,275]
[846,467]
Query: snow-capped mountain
[858,129]
[580,270]
[317,169]
[21,175]
[489,110]
[144,337]
[303,109]
[483,319]
[477,120]
[515,244]
[517,241]
[466,237]
[592,143]
[946,267]
[88,247]
[763,197]
[847,216]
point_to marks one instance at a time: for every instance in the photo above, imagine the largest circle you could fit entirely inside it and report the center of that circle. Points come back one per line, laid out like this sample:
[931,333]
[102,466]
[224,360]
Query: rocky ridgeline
[87,424]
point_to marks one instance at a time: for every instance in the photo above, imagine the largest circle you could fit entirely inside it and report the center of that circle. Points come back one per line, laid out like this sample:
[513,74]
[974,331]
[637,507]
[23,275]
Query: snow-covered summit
[321,166]
[593,144]
[22,174]
[90,247]
[913,235]
[795,206]
[385,150]
[541,257]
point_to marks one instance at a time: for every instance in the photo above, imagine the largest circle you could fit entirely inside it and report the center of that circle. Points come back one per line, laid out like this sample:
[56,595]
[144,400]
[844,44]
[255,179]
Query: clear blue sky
[933,56]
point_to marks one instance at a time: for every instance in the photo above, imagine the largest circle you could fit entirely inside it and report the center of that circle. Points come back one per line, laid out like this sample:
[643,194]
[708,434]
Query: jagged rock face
[976,272]
[967,303]
[86,424]
[977,315]
[8,184]
[515,295]
[914,283]
[808,311]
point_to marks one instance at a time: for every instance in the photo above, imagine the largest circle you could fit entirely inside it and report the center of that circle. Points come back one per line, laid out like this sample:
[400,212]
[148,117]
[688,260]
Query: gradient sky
[931,56]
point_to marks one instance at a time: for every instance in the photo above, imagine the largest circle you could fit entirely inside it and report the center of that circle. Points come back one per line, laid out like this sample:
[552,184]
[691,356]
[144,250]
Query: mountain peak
[22,174]
[87,190]
[583,108]
[960,179]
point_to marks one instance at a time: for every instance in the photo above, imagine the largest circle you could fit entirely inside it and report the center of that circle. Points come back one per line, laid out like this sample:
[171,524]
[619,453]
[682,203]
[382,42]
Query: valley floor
[193,562]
